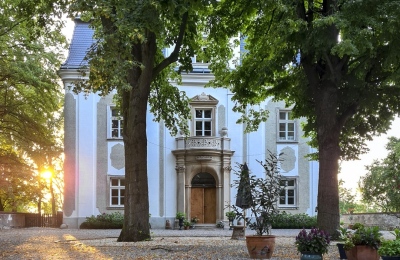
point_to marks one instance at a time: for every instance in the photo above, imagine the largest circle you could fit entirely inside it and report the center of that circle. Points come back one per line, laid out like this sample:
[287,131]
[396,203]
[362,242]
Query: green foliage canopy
[381,185]
[30,95]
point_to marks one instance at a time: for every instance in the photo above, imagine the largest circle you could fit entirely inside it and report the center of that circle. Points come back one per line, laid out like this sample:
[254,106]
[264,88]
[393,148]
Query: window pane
[122,200]
[207,113]
[207,133]
[122,192]
[114,201]
[114,112]
[291,201]
[114,123]
[207,125]
[282,200]
[290,193]
[290,182]
[290,127]
[199,125]
[114,182]
[282,136]
[282,115]
[290,117]
[199,113]
[114,133]
[114,193]
[199,133]
[282,127]
[290,136]
[122,182]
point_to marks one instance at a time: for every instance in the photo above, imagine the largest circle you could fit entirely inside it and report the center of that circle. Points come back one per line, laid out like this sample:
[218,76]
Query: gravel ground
[51,243]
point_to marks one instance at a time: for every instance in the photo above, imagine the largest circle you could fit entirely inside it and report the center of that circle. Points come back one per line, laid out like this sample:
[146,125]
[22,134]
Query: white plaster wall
[86,154]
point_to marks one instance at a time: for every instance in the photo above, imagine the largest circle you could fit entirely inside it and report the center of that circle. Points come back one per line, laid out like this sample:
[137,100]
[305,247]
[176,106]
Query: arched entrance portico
[203,199]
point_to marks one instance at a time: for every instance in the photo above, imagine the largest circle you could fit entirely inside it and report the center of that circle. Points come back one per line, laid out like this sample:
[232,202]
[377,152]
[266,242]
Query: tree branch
[173,57]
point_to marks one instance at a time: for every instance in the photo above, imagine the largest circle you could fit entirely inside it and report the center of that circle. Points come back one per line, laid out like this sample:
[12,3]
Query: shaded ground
[50,243]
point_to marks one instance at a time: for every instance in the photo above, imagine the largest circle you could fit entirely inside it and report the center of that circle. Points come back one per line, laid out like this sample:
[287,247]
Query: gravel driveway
[51,243]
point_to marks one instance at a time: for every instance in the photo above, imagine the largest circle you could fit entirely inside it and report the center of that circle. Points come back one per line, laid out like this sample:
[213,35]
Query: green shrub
[296,221]
[104,221]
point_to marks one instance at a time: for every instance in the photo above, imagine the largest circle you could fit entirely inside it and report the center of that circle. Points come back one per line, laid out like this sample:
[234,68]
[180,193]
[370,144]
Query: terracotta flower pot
[260,247]
[362,252]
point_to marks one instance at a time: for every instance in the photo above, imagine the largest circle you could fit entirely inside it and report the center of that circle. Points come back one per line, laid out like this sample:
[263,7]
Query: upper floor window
[116,124]
[203,115]
[203,122]
[287,126]
[117,192]
[287,197]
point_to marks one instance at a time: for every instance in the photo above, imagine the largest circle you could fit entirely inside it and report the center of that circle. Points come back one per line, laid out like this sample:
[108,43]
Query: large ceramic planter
[310,256]
[260,247]
[362,252]
[342,253]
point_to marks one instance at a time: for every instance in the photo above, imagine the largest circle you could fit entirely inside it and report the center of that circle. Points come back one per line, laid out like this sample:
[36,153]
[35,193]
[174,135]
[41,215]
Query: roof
[82,39]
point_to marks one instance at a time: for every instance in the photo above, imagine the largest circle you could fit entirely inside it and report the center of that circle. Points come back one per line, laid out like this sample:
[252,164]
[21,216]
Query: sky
[351,171]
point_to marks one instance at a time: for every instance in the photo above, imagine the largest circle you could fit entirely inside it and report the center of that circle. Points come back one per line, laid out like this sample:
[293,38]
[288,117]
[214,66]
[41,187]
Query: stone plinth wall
[12,220]
[384,221]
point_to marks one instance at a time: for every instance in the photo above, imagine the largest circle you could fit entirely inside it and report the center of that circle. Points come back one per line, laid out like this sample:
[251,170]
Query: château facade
[191,174]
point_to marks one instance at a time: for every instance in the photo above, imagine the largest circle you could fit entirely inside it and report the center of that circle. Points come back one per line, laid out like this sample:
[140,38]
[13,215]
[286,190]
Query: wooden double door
[203,204]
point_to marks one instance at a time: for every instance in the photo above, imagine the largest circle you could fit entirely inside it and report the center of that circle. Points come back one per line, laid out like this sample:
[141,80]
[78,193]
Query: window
[287,197]
[203,122]
[287,130]
[116,124]
[117,192]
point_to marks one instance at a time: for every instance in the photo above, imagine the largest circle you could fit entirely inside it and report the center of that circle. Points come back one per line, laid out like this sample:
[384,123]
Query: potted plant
[231,217]
[312,244]
[363,244]
[186,224]
[193,221]
[180,216]
[390,249]
[343,233]
[261,195]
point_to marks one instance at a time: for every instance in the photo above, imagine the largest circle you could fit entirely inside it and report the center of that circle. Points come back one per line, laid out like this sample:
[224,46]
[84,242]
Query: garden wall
[12,220]
[382,220]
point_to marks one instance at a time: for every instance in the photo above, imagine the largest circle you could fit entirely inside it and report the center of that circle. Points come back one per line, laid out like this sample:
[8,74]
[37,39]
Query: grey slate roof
[82,39]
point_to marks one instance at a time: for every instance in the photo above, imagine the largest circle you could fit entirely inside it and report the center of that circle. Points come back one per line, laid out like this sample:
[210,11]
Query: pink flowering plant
[315,241]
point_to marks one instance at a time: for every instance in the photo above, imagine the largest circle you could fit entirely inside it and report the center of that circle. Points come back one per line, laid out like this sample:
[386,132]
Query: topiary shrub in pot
[261,195]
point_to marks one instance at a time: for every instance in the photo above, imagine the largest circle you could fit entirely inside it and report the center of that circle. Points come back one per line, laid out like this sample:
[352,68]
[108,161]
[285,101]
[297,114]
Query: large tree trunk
[328,132]
[134,109]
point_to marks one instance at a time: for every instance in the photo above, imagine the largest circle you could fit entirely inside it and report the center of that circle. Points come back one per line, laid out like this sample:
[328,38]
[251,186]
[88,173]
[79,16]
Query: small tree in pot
[262,195]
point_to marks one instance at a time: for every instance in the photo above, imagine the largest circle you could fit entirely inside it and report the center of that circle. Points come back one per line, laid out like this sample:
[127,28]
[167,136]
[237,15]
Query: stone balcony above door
[203,143]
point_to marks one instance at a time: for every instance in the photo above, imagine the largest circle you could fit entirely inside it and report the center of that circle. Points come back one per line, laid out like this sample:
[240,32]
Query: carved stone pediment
[204,98]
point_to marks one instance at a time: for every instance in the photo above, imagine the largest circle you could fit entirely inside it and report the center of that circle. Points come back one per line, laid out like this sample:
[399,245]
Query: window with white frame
[287,197]
[117,192]
[287,126]
[116,123]
[203,120]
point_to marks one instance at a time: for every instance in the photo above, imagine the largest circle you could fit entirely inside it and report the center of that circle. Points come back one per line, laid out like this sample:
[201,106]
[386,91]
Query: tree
[381,185]
[127,57]
[336,62]
[30,95]
[347,203]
